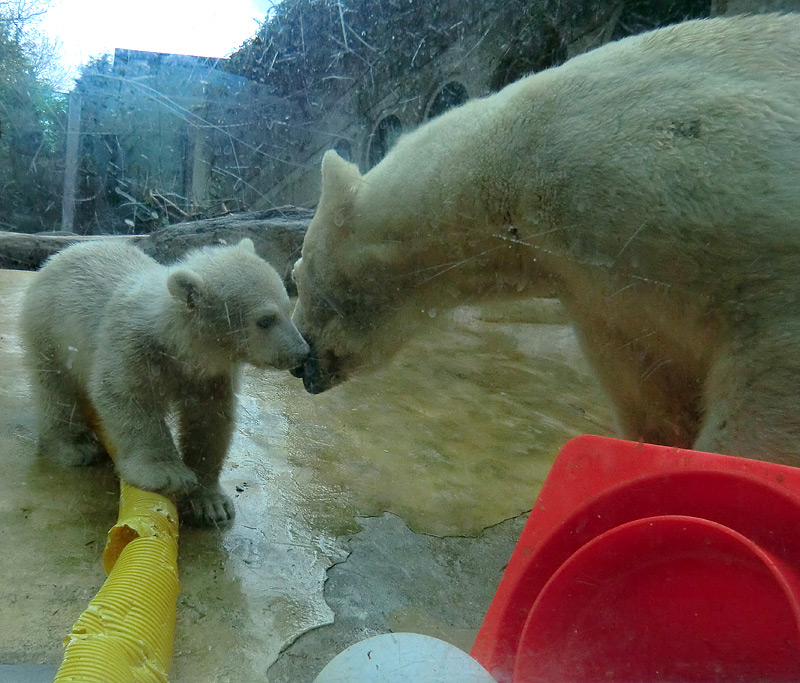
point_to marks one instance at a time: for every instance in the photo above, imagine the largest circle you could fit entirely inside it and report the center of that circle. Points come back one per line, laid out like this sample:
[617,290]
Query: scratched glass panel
[515,229]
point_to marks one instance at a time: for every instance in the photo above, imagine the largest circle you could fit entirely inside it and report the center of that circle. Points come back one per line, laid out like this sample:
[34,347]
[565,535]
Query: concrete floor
[391,503]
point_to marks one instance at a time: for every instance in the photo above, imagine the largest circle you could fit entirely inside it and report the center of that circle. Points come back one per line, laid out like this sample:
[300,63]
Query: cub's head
[346,287]
[237,307]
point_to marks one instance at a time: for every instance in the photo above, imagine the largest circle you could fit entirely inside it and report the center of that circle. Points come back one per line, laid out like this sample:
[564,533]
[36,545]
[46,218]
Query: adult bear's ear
[186,286]
[247,245]
[340,181]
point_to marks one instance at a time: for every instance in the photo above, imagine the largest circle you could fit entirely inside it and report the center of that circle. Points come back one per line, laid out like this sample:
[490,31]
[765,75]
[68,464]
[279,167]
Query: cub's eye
[266,321]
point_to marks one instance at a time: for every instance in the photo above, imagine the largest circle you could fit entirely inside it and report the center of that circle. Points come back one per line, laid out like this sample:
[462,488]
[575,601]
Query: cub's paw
[207,506]
[162,476]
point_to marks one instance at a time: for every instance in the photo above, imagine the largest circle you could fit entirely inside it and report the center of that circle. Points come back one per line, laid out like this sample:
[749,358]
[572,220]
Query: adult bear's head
[352,281]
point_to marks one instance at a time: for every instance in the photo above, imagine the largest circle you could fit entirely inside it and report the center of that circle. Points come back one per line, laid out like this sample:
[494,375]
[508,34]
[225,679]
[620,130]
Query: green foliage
[31,136]
[307,45]
[310,47]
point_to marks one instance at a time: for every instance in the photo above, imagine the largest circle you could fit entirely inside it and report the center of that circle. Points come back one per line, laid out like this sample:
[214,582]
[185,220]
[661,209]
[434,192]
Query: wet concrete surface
[391,503]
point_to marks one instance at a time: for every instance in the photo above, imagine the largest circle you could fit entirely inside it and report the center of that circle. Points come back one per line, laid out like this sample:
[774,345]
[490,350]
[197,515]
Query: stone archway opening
[450,95]
[384,135]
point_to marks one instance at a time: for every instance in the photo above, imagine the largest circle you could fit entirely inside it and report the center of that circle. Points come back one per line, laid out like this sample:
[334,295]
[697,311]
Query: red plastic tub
[646,563]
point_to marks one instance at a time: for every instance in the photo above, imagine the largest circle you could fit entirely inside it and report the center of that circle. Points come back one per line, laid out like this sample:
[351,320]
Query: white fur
[107,328]
[652,184]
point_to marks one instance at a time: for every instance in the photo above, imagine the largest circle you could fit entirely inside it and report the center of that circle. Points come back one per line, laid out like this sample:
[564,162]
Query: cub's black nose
[303,369]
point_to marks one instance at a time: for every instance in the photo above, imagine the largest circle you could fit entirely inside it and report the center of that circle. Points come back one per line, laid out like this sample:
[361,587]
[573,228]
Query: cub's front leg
[132,412]
[207,415]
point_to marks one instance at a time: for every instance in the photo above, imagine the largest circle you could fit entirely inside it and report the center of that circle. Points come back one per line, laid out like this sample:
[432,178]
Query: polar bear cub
[107,328]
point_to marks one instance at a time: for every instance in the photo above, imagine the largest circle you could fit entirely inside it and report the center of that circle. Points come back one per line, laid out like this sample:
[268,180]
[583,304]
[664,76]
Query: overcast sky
[207,28]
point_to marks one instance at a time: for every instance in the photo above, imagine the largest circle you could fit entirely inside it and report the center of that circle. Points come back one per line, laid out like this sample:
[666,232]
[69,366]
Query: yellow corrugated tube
[126,632]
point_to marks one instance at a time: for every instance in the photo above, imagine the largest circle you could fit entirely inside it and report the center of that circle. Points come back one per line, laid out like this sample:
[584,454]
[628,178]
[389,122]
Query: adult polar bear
[653,184]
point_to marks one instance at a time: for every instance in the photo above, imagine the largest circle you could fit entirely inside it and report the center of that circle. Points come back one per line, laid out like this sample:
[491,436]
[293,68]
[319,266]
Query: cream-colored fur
[653,184]
[107,327]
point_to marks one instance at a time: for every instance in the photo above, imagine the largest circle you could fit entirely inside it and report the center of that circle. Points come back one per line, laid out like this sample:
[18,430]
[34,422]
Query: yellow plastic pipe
[126,632]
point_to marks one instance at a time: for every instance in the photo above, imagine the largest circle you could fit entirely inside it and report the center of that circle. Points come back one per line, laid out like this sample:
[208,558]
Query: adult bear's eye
[266,321]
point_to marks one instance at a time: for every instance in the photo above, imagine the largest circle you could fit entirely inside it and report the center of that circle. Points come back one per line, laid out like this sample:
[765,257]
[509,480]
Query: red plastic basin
[647,563]
[664,598]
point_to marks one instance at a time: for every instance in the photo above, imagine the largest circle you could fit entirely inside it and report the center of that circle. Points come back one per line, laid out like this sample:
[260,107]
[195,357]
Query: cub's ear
[247,245]
[340,181]
[186,286]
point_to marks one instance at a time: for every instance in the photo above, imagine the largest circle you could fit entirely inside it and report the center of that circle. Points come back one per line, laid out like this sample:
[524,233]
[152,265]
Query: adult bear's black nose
[312,376]
[311,373]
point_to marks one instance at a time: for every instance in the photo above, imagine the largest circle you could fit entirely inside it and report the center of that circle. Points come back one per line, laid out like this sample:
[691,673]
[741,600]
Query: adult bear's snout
[315,378]
[312,376]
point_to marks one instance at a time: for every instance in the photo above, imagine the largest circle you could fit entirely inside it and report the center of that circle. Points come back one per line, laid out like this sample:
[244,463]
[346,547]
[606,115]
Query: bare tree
[20,19]
[17,15]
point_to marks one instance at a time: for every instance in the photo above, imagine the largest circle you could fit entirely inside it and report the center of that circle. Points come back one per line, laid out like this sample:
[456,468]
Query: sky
[206,28]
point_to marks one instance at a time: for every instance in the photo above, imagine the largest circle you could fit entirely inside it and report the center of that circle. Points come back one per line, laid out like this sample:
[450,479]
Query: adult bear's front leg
[751,399]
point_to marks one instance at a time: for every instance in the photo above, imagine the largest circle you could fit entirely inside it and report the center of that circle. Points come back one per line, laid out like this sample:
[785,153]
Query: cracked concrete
[397,580]
[391,503]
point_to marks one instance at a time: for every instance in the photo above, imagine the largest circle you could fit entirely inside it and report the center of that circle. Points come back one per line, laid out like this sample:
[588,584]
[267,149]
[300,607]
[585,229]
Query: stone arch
[383,136]
[638,16]
[530,52]
[450,95]
[344,149]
